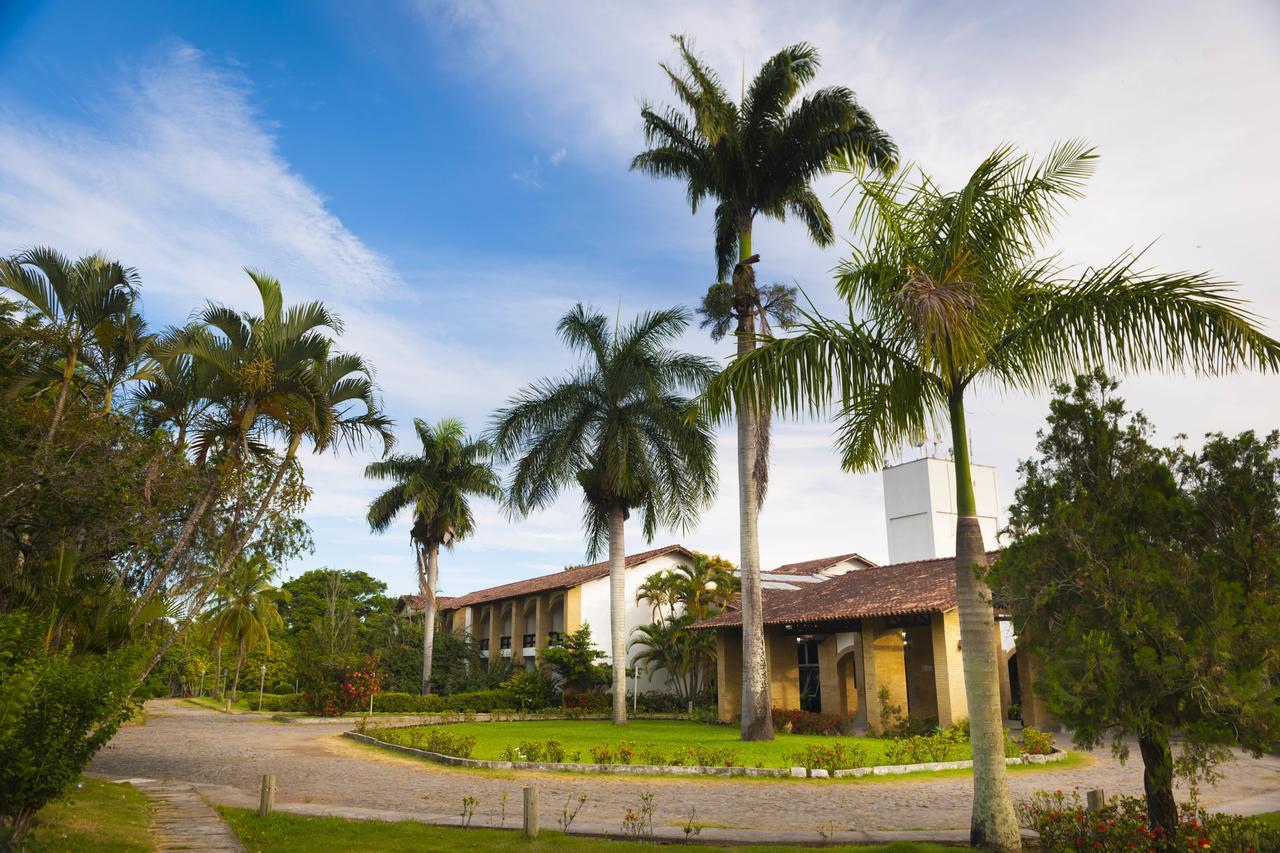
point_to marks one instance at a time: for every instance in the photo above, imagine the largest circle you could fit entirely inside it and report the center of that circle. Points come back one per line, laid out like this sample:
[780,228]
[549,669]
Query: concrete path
[319,771]
[182,820]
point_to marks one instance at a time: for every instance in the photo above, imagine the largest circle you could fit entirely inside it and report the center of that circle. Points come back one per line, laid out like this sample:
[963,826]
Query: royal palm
[437,485]
[950,290]
[618,429]
[753,158]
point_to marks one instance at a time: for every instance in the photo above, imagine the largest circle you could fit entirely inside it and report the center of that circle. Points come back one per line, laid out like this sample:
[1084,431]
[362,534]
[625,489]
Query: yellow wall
[729,675]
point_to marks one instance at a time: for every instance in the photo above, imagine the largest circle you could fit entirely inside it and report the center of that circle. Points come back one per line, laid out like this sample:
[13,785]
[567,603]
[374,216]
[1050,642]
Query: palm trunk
[1157,780]
[235,685]
[60,406]
[617,610]
[757,714]
[428,582]
[179,548]
[217,671]
[993,825]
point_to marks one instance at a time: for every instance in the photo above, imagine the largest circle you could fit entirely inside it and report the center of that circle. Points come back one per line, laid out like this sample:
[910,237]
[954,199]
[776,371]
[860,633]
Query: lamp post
[262,680]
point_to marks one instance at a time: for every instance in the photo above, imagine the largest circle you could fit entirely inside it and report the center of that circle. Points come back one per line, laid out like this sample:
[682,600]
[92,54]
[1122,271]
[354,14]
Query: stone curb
[457,717]
[669,770]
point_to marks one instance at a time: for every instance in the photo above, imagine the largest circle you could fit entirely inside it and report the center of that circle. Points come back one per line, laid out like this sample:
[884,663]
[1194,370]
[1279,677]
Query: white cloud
[557,156]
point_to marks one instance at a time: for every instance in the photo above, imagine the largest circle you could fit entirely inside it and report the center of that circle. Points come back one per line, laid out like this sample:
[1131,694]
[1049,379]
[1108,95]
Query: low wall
[671,770]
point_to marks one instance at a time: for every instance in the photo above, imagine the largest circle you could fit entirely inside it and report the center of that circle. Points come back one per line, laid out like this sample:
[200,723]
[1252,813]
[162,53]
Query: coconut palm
[120,354]
[951,290]
[74,299]
[618,429]
[437,485]
[755,157]
[244,611]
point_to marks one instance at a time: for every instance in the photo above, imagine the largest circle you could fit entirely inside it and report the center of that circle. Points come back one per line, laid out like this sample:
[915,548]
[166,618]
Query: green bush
[56,711]
[809,723]
[946,745]
[531,689]
[838,755]
[438,739]
[1036,742]
[653,702]
[276,703]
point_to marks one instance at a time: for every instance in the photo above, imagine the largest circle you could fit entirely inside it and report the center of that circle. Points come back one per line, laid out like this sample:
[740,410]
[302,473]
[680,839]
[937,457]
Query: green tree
[576,662]
[1148,584]
[438,486]
[757,157]
[949,290]
[308,593]
[75,300]
[617,428]
[244,611]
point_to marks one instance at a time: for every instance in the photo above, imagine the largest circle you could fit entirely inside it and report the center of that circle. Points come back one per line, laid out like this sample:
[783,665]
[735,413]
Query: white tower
[920,508]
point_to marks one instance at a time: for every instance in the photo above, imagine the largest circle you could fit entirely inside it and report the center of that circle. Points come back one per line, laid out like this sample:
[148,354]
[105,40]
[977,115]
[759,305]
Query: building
[518,619]
[841,629]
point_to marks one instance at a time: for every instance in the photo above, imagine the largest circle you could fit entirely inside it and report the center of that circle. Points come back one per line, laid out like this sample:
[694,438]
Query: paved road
[319,770]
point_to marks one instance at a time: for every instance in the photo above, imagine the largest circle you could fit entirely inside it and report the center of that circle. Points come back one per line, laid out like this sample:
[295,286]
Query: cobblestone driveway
[315,764]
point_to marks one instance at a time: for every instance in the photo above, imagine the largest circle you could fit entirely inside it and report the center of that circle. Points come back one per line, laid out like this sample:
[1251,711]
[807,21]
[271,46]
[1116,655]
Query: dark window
[504,642]
[810,681]
[530,640]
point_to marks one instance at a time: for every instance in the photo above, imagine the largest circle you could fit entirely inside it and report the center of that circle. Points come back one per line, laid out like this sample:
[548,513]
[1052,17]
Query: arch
[848,677]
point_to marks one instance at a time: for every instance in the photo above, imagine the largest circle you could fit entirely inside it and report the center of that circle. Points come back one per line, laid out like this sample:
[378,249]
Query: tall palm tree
[755,157]
[437,485]
[120,354]
[75,298]
[950,290]
[618,429]
[245,610]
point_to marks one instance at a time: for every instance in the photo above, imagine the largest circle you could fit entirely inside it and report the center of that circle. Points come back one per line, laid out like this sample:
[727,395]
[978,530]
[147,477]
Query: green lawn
[286,833]
[1270,819]
[665,736]
[99,816]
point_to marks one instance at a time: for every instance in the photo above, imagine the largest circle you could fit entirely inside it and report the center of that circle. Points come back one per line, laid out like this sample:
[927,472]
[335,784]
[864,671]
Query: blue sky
[453,176]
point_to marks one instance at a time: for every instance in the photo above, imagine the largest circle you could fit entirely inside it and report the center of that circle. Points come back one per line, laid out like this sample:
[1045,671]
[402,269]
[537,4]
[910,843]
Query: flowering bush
[1036,742]
[836,756]
[351,692]
[431,738]
[591,703]
[1065,824]
[809,723]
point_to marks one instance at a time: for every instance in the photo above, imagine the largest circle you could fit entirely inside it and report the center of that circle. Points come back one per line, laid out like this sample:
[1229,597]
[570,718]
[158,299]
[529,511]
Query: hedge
[479,702]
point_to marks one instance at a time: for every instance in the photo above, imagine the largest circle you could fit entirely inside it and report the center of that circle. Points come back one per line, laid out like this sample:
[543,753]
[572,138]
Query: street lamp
[262,679]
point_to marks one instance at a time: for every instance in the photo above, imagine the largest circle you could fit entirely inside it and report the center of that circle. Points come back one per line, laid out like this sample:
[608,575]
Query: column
[542,620]
[948,668]
[728,675]
[829,677]
[783,665]
[495,631]
[886,651]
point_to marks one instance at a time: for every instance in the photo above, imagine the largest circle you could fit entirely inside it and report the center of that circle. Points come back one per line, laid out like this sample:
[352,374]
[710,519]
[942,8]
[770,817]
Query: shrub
[530,689]
[650,755]
[653,702]
[431,738]
[587,703]
[705,756]
[288,702]
[1036,742]
[946,745]
[601,753]
[809,723]
[838,755]
[1064,823]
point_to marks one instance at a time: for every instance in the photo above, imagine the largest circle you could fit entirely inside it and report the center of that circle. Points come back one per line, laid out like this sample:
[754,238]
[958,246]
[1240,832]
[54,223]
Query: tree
[576,662]
[75,299]
[755,157]
[618,428]
[307,595]
[949,290]
[1148,584]
[244,611]
[438,485]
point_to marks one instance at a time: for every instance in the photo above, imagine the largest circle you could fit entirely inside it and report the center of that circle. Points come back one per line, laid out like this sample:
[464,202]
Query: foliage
[350,690]
[531,688]
[56,710]
[1148,583]
[106,817]
[946,745]
[305,598]
[575,661]
[836,755]
[459,667]
[441,739]
[1036,742]
[808,723]
[1065,824]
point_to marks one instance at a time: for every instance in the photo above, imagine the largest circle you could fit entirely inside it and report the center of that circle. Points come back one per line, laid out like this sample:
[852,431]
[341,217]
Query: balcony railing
[504,642]
[530,641]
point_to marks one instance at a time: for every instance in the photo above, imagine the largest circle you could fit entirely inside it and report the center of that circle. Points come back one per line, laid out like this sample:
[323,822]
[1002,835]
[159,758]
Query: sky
[451,177]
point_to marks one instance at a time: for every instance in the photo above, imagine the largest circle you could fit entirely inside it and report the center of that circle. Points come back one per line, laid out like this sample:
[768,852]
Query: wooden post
[268,800]
[1097,799]
[530,813]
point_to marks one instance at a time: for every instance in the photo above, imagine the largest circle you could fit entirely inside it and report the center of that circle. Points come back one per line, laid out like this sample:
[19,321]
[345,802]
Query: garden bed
[671,748]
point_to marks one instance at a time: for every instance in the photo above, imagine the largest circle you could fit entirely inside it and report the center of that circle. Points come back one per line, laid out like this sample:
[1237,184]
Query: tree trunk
[993,825]
[235,685]
[1157,780]
[429,582]
[217,670]
[178,549]
[757,712]
[60,406]
[618,610]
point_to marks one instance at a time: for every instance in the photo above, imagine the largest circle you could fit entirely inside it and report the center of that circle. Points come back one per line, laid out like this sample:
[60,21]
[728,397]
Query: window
[810,681]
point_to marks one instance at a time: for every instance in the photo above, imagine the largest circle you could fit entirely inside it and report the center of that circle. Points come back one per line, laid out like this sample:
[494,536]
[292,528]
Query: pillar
[573,617]
[542,620]
[783,667]
[1034,711]
[948,668]
[728,675]
[829,677]
[495,631]
[885,666]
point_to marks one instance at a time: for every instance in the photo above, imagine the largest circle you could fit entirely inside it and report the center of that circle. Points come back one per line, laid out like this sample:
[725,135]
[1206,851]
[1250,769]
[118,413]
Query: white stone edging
[673,770]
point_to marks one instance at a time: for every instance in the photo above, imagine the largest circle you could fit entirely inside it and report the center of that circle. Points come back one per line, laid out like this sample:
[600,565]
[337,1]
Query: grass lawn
[665,736]
[286,833]
[1270,819]
[100,816]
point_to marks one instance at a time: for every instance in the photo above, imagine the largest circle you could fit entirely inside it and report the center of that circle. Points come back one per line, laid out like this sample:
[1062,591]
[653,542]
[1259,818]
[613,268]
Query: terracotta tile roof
[923,586]
[557,580]
[413,603]
[809,567]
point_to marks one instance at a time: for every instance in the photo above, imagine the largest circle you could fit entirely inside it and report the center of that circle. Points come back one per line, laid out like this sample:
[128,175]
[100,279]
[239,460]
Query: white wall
[595,612]
[920,508]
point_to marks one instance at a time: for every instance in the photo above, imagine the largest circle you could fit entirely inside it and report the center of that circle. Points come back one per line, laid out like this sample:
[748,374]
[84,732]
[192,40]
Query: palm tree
[438,485]
[75,299]
[120,354]
[245,610]
[618,429]
[755,157]
[951,290]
